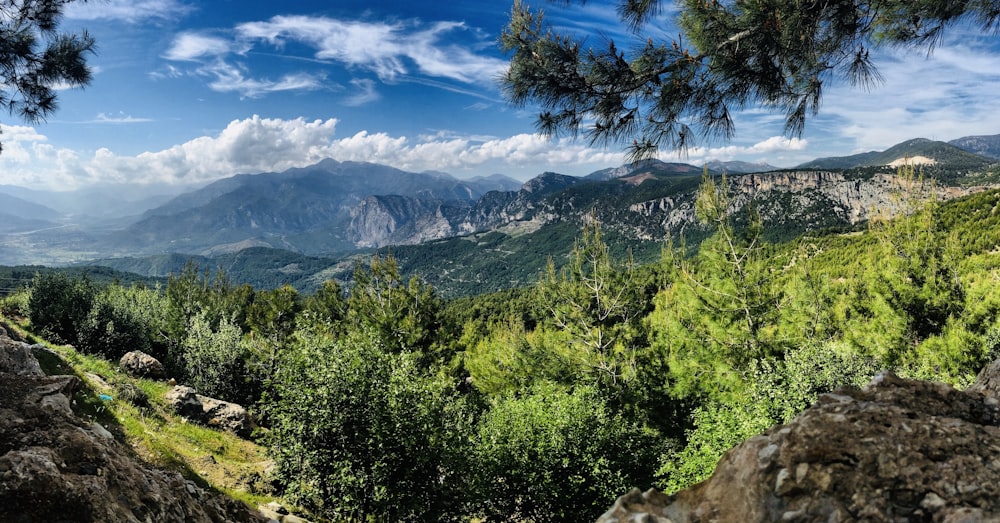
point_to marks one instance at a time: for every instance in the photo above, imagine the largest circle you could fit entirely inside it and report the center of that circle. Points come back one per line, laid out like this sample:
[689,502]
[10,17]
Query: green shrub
[215,360]
[359,433]
[59,305]
[110,330]
[553,454]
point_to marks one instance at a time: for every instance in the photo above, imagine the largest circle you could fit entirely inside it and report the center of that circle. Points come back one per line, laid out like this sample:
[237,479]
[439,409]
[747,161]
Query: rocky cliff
[898,450]
[805,199]
[56,466]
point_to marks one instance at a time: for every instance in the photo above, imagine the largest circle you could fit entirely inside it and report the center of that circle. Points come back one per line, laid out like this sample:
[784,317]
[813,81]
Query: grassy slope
[213,459]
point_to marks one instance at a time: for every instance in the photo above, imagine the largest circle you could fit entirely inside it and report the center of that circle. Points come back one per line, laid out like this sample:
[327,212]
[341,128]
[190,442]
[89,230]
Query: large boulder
[226,416]
[899,450]
[184,401]
[210,411]
[138,364]
[16,357]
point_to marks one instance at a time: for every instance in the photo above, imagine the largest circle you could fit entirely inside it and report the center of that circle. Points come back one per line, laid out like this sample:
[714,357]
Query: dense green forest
[385,401]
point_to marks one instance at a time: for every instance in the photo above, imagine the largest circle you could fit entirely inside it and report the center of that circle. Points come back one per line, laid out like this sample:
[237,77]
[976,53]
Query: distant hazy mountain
[494,182]
[654,167]
[97,205]
[940,153]
[988,146]
[740,167]
[305,209]
[25,209]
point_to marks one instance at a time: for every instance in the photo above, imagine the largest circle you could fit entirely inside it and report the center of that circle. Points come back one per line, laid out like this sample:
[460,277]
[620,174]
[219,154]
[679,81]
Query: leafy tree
[327,303]
[36,59]
[122,319]
[215,362]
[59,305]
[720,313]
[552,454]
[730,55]
[359,433]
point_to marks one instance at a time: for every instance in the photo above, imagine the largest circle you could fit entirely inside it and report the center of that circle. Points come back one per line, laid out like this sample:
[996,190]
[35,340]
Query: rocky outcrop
[402,220]
[138,364]
[55,466]
[210,411]
[898,450]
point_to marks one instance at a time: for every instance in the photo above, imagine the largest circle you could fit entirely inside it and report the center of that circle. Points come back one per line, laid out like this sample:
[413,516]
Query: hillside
[505,238]
[944,161]
[988,146]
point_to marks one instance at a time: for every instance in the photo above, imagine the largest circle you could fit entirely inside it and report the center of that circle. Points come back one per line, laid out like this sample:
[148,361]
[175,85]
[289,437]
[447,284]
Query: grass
[213,459]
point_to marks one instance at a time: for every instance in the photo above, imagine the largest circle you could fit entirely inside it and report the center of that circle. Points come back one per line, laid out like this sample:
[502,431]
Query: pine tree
[36,59]
[731,55]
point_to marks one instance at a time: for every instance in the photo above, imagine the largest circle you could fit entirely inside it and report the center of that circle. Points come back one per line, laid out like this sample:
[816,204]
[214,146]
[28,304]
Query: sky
[187,92]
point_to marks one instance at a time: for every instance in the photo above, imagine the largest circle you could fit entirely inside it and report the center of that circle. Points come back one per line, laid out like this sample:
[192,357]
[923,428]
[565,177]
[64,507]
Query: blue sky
[188,92]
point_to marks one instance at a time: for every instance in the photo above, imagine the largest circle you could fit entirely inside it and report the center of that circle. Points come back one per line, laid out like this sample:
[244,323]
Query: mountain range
[312,223]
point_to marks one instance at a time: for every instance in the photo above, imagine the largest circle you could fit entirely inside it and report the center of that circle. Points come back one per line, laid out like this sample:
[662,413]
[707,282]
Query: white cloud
[366,92]
[947,95]
[120,118]
[192,47]
[763,149]
[408,51]
[128,10]
[228,77]
[258,144]
[387,49]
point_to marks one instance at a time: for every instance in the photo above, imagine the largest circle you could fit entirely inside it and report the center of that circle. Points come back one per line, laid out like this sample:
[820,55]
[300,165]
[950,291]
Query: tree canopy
[730,55]
[36,59]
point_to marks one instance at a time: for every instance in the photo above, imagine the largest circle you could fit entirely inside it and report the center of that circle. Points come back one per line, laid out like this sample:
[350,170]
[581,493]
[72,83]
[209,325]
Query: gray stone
[210,411]
[141,365]
[17,358]
[184,401]
[898,450]
[227,416]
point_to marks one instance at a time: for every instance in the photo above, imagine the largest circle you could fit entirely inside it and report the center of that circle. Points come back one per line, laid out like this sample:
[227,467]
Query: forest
[385,401]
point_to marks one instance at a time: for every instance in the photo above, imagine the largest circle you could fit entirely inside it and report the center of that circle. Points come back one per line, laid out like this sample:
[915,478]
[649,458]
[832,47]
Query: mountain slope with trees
[612,372]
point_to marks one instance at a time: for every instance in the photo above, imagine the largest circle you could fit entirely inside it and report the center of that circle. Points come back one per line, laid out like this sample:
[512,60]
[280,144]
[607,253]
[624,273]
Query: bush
[59,305]
[551,454]
[360,434]
[16,304]
[110,330]
[214,361]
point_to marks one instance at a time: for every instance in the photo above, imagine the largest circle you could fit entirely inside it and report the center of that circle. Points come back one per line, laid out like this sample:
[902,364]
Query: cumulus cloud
[768,147]
[256,144]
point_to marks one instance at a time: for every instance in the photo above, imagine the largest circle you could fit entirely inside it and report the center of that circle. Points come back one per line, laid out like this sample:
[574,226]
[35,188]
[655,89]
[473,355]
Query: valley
[304,226]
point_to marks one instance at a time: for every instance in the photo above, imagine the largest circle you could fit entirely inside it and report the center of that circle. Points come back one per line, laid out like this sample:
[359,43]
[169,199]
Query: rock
[55,466]
[898,450]
[184,401]
[227,416]
[988,380]
[141,365]
[17,358]
[210,411]
[96,381]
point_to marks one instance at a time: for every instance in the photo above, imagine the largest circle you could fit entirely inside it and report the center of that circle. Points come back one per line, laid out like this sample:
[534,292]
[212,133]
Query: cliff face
[55,466]
[807,199]
[898,450]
